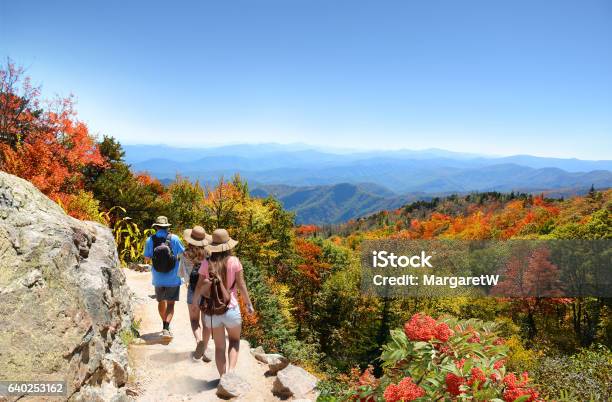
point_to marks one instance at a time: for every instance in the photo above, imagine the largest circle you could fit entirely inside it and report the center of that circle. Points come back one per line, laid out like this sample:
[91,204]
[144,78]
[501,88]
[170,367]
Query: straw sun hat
[221,241]
[197,236]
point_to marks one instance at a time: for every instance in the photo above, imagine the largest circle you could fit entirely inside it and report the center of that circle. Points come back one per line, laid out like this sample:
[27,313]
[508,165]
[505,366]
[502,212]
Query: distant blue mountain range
[306,179]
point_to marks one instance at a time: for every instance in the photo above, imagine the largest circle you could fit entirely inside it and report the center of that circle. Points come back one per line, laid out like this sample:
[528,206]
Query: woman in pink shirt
[229,268]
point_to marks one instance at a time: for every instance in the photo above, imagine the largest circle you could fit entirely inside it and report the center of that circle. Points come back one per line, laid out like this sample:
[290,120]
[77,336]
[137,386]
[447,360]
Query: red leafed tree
[534,276]
[311,265]
[19,104]
[310,269]
[543,275]
[532,284]
[48,147]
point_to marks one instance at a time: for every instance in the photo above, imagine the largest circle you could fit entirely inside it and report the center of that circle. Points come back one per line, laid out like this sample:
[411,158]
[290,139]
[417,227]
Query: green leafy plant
[445,359]
[130,239]
[127,335]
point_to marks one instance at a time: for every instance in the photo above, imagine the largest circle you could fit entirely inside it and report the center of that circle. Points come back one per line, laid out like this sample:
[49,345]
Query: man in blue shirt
[166,281]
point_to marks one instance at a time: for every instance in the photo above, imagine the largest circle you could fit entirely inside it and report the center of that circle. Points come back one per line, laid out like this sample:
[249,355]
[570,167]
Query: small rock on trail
[232,385]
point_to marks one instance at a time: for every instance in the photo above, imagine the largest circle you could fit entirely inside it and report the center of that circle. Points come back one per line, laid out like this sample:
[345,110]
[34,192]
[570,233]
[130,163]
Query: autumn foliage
[46,146]
[311,264]
[306,230]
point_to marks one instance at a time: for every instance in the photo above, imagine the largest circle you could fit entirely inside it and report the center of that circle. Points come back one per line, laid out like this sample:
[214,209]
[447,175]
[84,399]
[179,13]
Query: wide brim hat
[162,222]
[221,241]
[197,236]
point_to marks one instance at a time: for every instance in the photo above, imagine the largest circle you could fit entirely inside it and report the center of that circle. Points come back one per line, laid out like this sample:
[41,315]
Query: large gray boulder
[294,381]
[64,299]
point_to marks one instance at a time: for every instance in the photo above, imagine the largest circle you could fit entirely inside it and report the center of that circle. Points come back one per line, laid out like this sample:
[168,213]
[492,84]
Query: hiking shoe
[199,350]
[166,335]
[205,357]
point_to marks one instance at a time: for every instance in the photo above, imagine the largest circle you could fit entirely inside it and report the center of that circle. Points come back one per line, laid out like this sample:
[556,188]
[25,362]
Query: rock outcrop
[64,297]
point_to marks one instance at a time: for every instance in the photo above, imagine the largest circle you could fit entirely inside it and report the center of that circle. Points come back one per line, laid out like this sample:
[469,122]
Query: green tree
[185,203]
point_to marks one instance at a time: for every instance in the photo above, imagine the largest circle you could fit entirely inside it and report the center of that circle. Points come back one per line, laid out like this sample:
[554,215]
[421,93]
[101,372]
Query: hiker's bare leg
[219,338]
[233,335]
[206,332]
[169,310]
[194,318]
[161,308]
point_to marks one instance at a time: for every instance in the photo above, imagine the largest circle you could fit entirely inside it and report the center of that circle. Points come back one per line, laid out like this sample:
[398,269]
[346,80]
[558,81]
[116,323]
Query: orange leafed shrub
[250,328]
[306,230]
[52,160]
[310,254]
[51,148]
[153,183]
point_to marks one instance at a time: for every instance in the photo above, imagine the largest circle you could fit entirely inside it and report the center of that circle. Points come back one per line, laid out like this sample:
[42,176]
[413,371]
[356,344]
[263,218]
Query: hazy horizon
[336,150]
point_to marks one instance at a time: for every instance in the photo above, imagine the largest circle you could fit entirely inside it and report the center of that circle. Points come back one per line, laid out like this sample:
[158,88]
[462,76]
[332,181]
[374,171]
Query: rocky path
[167,372]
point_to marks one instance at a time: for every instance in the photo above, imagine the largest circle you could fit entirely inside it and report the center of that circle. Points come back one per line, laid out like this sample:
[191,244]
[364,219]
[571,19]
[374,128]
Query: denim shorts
[230,319]
[190,295]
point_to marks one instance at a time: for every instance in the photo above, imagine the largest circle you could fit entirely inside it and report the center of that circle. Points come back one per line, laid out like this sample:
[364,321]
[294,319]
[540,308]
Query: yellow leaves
[286,302]
[130,239]
[81,205]
[519,357]
[267,249]
[262,228]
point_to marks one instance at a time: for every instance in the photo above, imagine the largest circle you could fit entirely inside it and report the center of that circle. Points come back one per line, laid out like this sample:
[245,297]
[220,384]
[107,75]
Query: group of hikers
[213,276]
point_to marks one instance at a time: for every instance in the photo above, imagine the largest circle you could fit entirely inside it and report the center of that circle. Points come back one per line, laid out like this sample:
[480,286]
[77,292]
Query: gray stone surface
[258,351]
[140,267]
[275,361]
[64,297]
[294,381]
[232,385]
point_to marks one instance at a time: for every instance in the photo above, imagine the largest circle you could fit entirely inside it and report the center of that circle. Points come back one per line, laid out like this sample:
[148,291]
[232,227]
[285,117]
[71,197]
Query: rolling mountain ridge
[326,187]
[336,203]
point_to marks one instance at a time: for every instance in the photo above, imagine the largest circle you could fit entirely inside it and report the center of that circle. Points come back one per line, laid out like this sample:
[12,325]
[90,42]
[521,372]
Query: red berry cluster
[453,382]
[516,388]
[424,328]
[404,391]
[477,376]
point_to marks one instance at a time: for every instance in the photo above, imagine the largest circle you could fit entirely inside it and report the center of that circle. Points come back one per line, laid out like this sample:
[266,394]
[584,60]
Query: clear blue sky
[497,77]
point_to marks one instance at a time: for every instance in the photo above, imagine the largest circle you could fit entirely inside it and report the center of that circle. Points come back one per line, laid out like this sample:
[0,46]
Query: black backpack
[194,276]
[163,259]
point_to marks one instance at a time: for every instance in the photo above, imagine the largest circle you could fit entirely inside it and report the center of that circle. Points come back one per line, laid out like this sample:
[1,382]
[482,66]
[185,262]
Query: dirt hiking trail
[167,372]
